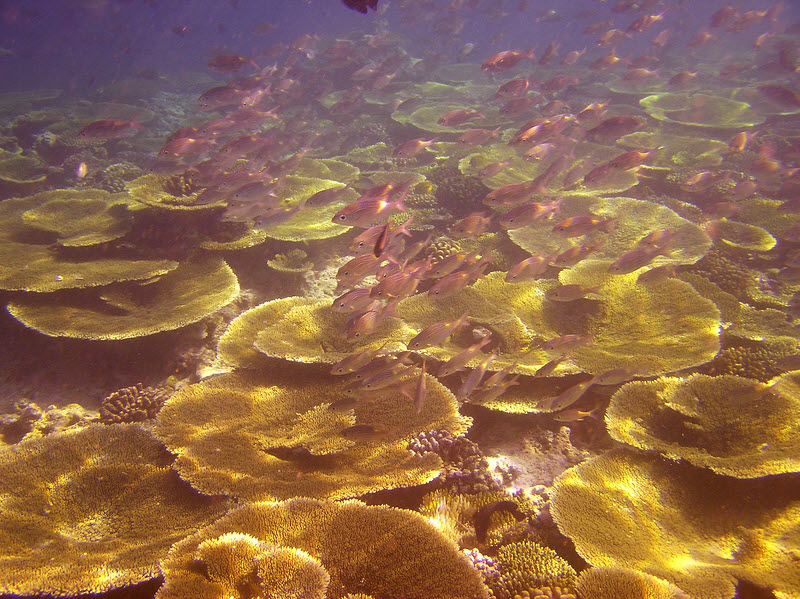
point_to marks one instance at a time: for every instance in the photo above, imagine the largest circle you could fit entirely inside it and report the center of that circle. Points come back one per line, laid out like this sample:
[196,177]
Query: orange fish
[437,333]
[502,61]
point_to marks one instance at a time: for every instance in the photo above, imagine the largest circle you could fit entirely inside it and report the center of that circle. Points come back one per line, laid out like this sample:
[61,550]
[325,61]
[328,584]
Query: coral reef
[621,583]
[700,110]
[188,294]
[732,425]
[374,550]
[466,469]
[698,530]
[91,510]
[527,567]
[280,433]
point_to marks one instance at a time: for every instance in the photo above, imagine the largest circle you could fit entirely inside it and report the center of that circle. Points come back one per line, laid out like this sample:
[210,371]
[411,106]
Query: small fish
[576,415]
[617,376]
[490,170]
[482,518]
[412,148]
[656,275]
[363,432]
[437,333]
[325,197]
[366,323]
[361,5]
[81,171]
[569,293]
[420,392]
[740,141]
[357,268]
[515,88]
[354,300]
[472,226]
[474,378]
[583,224]
[511,194]
[528,269]
[575,254]
[566,343]
[109,129]
[565,399]
[502,61]
[550,367]
[228,63]
[615,127]
[456,281]
[457,117]
[527,214]
[380,242]
[682,79]
[356,361]
[637,258]
[460,360]
[632,159]
[476,137]
[364,212]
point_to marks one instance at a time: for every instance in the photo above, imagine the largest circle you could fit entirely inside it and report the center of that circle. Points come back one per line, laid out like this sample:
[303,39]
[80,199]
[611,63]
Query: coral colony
[417,309]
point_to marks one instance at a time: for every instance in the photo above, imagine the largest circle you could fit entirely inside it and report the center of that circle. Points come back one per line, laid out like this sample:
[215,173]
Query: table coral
[192,292]
[734,426]
[91,510]
[278,434]
[698,530]
[701,110]
[383,552]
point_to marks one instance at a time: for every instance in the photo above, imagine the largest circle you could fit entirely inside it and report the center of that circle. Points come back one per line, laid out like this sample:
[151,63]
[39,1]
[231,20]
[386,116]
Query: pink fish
[358,268]
[565,399]
[363,213]
[528,269]
[583,224]
[460,360]
[410,149]
[569,293]
[356,361]
[566,343]
[354,300]
[456,281]
[474,378]
[474,225]
[437,333]
[527,214]
[490,170]
[366,323]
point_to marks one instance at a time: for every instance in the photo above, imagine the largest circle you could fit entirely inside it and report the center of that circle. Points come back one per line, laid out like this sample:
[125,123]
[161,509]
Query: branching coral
[466,469]
[132,404]
[529,567]
[280,434]
[91,510]
[698,530]
[383,552]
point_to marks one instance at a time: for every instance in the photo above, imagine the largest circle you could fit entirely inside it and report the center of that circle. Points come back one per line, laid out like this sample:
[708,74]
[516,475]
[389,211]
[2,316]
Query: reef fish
[437,333]
[108,129]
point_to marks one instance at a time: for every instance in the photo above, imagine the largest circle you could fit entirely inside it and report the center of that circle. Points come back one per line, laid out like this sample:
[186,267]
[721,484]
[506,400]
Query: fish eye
[342,217]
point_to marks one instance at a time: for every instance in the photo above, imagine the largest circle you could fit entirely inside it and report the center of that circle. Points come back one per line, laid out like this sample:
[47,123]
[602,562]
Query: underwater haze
[400,299]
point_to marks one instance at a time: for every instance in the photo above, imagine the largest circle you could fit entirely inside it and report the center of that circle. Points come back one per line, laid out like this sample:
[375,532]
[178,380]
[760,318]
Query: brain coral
[382,552]
[698,530]
[735,426]
[91,510]
[280,434]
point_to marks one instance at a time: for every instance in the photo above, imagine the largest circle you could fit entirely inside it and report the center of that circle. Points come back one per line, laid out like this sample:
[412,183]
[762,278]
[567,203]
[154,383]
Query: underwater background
[400,299]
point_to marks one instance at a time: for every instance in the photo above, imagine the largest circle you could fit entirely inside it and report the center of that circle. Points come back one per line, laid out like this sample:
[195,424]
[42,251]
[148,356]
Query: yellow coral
[366,550]
[91,510]
[258,447]
[732,425]
[701,110]
[195,290]
[698,530]
[527,566]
